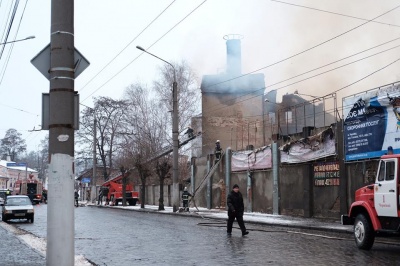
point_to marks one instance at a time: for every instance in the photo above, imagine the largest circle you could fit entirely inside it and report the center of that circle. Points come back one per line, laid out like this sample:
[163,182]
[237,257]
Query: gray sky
[272,31]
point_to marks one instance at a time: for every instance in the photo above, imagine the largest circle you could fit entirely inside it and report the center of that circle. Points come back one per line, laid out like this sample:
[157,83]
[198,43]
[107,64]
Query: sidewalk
[249,217]
[21,247]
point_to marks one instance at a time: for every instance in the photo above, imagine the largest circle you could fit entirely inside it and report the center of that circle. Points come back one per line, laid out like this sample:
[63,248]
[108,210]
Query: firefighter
[217,151]
[100,200]
[185,199]
[44,195]
[189,132]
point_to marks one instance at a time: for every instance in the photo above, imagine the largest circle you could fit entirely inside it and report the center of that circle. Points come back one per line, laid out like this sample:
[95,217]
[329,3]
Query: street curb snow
[38,244]
[204,215]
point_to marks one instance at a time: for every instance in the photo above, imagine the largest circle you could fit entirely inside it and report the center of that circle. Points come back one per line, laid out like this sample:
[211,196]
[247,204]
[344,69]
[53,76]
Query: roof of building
[224,83]
[20,168]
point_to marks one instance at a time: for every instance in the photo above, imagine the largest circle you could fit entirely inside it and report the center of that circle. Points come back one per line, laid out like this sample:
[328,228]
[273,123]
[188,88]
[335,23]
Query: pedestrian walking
[185,199]
[235,210]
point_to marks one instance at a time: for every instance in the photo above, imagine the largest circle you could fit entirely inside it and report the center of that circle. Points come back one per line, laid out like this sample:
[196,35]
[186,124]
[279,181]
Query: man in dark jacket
[76,195]
[235,210]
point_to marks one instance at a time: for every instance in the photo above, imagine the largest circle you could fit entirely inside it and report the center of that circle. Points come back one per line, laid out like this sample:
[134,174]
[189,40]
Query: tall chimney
[233,54]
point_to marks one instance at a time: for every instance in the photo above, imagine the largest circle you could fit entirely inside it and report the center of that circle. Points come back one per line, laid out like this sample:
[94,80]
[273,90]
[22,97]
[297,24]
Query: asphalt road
[117,237]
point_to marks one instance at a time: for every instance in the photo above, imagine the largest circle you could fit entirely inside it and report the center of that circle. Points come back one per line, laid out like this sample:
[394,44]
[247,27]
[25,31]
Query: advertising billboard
[372,122]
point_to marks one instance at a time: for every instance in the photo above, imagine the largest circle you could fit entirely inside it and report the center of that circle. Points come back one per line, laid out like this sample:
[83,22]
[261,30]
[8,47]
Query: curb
[196,215]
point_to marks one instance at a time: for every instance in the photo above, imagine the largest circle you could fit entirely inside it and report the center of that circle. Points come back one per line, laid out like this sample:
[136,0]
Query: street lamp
[27,38]
[175,117]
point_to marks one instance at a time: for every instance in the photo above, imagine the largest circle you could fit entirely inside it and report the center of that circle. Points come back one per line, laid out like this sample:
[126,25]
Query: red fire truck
[31,188]
[112,189]
[376,209]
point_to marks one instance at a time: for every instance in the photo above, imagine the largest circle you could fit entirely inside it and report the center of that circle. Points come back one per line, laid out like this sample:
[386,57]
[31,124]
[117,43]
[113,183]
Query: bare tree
[110,115]
[13,144]
[163,167]
[147,124]
[188,91]
[38,159]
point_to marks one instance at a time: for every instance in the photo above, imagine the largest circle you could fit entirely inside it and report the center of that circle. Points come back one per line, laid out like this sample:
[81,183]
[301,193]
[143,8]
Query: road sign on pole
[42,62]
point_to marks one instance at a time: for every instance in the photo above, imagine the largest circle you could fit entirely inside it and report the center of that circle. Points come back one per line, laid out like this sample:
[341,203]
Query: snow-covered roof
[20,168]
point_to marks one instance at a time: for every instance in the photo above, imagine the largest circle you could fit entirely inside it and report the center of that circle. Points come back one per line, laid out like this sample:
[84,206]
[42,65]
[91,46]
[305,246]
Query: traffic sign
[86,180]
[42,62]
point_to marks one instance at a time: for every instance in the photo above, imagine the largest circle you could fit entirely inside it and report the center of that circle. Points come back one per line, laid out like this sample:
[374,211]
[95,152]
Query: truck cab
[375,210]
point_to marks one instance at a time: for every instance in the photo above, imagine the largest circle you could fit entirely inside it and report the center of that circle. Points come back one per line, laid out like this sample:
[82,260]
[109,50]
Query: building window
[289,118]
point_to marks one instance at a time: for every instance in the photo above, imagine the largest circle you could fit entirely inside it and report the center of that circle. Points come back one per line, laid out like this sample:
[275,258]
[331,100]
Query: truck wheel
[132,202]
[363,232]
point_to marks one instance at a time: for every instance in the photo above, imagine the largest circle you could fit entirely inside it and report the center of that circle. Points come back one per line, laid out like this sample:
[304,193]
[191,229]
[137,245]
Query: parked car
[18,207]
[2,196]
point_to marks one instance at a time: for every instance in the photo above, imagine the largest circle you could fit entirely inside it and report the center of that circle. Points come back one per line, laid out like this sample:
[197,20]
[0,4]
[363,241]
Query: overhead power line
[334,13]
[252,97]
[12,45]
[306,50]
[140,33]
[372,73]
[316,75]
[235,99]
[10,23]
[18,109]
[179,22]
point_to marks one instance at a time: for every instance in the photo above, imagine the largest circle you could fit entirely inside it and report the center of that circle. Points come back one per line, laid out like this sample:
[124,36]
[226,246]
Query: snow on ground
[38,243]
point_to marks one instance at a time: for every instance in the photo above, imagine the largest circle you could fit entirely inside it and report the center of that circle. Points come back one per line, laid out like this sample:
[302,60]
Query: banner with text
[372,122]
[326,174]
[252,160]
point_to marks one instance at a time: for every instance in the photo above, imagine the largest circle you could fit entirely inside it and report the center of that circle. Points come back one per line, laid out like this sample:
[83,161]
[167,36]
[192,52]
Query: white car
[18,207]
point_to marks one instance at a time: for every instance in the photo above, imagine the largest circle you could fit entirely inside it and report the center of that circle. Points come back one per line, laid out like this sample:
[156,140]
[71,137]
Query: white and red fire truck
[375,210]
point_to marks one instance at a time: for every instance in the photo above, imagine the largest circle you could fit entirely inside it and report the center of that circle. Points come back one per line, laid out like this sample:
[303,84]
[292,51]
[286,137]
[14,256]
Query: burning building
[232,105]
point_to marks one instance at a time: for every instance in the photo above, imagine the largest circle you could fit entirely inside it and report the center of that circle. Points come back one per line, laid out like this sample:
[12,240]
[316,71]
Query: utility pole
[123,177]
[93,180]
[60,208]
[175,133]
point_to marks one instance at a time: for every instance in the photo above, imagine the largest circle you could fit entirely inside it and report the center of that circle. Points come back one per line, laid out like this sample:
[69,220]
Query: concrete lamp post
[123,177]
[175,133]
[27,38]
